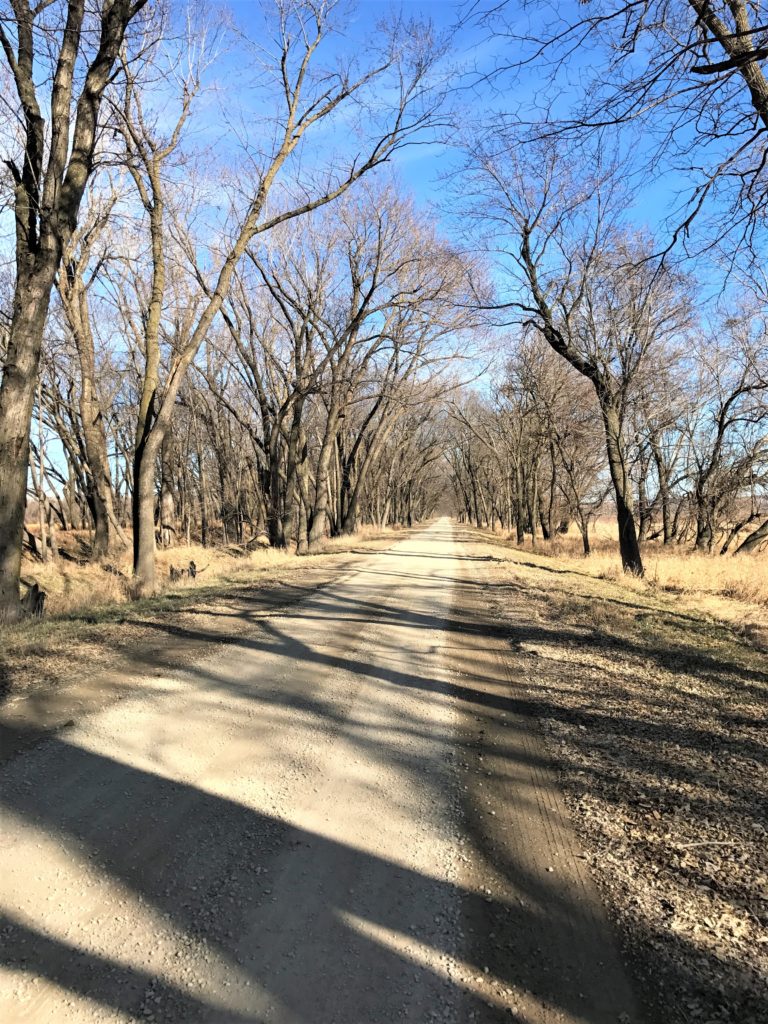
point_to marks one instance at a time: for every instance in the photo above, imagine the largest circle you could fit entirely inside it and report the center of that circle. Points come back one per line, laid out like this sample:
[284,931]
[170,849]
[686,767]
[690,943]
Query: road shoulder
[553,953]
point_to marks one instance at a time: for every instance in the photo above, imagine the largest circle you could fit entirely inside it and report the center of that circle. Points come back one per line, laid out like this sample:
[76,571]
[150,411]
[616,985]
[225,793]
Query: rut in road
[341,817]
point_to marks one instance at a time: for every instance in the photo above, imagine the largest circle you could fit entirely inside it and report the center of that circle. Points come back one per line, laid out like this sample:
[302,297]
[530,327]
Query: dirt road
[344,816]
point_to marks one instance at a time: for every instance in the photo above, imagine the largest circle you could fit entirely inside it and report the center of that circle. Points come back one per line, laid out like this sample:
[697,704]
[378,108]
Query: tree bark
[628,543]
[320,510]
[17,395]
[754,540]
[143,517]
[663,475]
[75,303]
[48,188]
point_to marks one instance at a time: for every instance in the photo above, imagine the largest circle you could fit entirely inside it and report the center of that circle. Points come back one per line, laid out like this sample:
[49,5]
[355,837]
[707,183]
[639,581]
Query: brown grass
[653,695]
[729,589]
[74,586]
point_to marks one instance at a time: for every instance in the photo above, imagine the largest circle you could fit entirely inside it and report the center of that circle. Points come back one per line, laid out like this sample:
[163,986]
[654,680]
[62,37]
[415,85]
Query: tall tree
[50,167]
[307,96]
[594,291]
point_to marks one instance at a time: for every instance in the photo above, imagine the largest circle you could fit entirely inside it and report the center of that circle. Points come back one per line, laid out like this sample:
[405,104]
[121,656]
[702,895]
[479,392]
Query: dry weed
[733,589]
[74,585]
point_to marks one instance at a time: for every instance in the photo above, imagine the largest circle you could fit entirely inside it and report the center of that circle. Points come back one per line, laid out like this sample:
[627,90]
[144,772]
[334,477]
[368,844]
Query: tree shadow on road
[194,855]
[209,863]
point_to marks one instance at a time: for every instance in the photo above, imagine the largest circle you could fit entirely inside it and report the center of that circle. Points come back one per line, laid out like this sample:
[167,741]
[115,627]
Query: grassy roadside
[655,708]
[92,625]
[727,589]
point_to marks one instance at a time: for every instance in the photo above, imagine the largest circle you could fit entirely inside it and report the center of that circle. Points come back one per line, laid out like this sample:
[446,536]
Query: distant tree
[569,428]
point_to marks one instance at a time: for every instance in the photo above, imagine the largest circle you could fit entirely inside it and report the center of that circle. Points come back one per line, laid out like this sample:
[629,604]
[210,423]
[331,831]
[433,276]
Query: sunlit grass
[75,586]
[734,589]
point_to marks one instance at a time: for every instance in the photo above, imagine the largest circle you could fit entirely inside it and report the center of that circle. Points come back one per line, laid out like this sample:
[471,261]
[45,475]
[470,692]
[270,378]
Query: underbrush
[75,586]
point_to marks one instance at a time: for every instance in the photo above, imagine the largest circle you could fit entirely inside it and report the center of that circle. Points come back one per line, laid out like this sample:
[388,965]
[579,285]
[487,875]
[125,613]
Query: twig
[707,842]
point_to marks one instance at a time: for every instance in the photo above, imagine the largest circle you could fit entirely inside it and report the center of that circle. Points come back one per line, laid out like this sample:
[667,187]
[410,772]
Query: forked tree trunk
[49,182]
[74,300]
[704,520]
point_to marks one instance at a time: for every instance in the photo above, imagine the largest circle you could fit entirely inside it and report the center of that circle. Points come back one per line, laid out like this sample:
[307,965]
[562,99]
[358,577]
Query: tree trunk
[320,509]
[644,510]
[704,520]
[533,501]
[519,505]
[663,475]
[168,519]
[106,529]
[48,189]
[584,529]
[17,396]
[143,516]
[291,499]
[754,540]
[628,543]
[545,519]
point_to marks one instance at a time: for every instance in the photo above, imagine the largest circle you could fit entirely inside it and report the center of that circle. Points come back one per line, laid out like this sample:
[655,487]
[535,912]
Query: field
[733,590]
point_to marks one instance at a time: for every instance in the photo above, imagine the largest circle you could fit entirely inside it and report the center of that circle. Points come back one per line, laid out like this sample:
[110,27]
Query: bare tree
[728,427]
[307,100]
[593,290]
[50,163]
[569,427]
[83,258]
[697,98]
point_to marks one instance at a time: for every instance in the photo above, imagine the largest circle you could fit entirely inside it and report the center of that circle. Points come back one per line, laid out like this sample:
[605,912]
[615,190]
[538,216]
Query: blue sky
[421,167]
[424,169]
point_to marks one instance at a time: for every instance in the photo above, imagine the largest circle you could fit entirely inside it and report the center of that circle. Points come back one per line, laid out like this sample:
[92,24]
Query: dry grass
[655,713]
[72,587]
[733,590]
[370,537]
[75,586]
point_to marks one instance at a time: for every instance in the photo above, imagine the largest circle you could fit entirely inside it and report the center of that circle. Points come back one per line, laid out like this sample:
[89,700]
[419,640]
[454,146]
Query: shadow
[94,977]
[307,928]
[211,866]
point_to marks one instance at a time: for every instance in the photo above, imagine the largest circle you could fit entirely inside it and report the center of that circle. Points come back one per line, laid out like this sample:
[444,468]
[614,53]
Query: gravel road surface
[340,817]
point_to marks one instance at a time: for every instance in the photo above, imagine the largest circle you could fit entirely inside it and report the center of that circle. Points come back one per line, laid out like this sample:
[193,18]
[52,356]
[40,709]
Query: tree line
[224,321]
[179,311]
[622,384]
